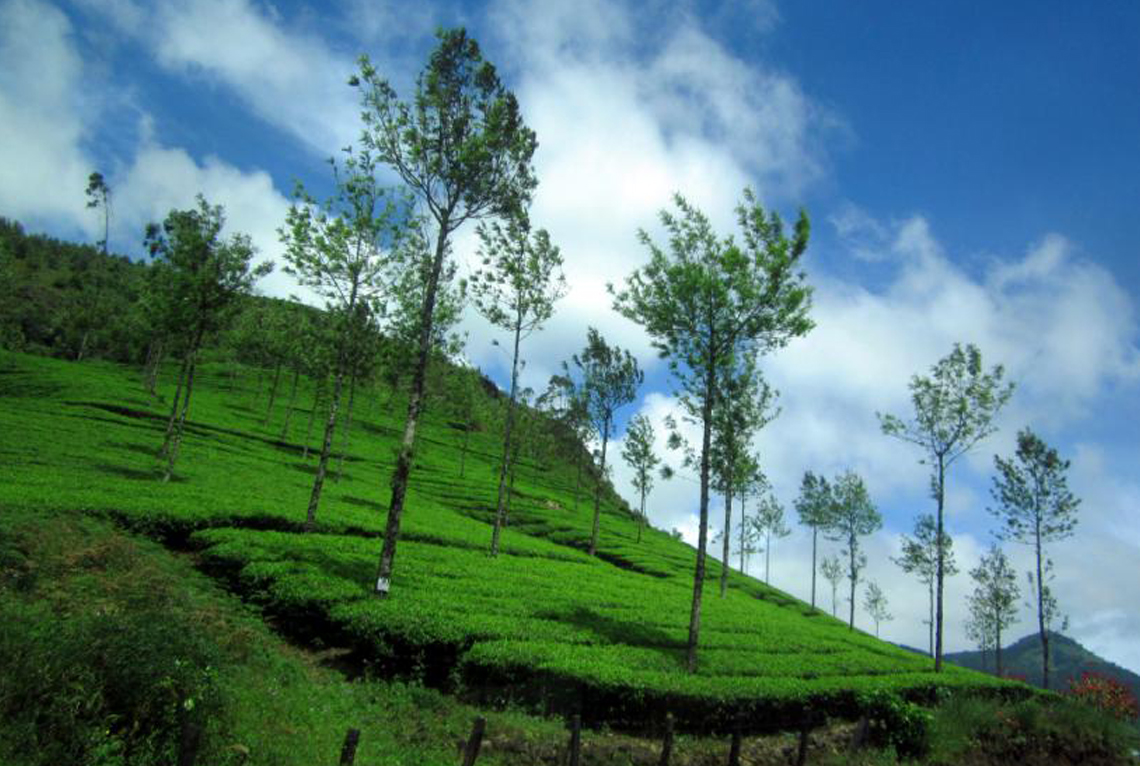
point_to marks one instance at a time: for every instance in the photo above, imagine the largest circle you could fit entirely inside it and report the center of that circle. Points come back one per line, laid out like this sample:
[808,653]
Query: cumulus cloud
[43,167]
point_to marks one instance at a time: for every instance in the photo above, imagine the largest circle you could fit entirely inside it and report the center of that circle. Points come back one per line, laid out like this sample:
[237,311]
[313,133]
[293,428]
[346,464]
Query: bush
[892,721]
[1105,694]
[104,688]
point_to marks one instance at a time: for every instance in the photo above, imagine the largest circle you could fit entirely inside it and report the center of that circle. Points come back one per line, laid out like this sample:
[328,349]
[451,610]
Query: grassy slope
[542,623]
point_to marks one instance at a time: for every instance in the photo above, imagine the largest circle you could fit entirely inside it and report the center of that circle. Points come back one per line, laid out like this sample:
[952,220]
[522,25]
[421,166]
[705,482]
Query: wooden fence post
[667,745]
[348,750]
[734,749]
[575,739]
[471,752]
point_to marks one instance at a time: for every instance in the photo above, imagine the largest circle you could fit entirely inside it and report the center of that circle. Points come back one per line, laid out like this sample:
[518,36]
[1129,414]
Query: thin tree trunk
[174,405]
[346,438]
[703,527]
[997,646]
[578,481]
[940,571]
[318,390]
[463,452]
[154,361]
[83,346]
[930,622]
[500,503]
[854,580]
[727,535]
[814,535]
[289,407]
[272,394]
[598,490]
[415,398]
[330,424]
[641,518]
[1041,609]
[177,437]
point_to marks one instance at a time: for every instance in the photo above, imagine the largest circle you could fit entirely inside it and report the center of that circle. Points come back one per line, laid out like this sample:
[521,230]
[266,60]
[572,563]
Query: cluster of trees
[954,409]
[712,306]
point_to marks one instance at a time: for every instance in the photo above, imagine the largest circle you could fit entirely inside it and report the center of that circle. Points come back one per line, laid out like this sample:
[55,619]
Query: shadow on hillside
[363,503]
[616,631]
[135,474]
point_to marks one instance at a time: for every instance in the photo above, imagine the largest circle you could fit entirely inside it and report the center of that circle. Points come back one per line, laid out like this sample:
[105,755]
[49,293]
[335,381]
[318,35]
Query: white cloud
[289,77]
[43,169]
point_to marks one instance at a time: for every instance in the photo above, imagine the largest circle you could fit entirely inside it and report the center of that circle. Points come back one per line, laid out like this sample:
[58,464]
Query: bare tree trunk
[345,438]
[318,395]
[814,535]
[415,400]
[930,624]
[641,518]
[727,535]
[703,528]
[767,555]
[177,438]
[1044,633]
[83,346]
[598,492]
[272,394]
[174,405]
[941,569]
[154,361]
[997,646]
[289,408]
[499,508]
[854,580]
[463,452]
[326,448]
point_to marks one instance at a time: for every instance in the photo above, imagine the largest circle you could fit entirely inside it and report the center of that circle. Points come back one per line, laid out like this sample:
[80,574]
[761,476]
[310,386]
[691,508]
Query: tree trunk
[272,394]
[176,441]
[289,407]
[174,405]
[463,452]
[727,535]
[334,405]
[930,622]
[1044,633]
[641,518]
[346,439]
[703,527]
[499,507]
[940,570]
[578,480]
[318,390]
[814,535]
[854,577]
[997,646]
[154,362]
[415,398]
[598,490]
[83,346]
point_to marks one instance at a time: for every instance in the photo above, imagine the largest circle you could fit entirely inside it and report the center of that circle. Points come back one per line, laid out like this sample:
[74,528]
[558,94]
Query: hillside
[543,624]
[1022,659]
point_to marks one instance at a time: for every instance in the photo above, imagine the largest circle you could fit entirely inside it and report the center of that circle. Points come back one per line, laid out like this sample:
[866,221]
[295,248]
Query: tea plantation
[542,625]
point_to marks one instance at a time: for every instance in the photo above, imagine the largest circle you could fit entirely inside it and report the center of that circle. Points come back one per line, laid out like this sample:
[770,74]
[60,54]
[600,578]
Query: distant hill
[1069,661]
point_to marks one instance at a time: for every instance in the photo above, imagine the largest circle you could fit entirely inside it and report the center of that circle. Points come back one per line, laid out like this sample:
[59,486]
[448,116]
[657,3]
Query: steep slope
[542,624]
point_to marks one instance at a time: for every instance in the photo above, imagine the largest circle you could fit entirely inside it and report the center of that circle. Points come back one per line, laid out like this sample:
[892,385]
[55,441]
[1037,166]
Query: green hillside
[543,624]
[1068,660]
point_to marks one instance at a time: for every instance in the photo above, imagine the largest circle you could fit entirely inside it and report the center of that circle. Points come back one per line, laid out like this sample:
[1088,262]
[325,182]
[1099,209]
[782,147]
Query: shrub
[1105,694]
[893,721]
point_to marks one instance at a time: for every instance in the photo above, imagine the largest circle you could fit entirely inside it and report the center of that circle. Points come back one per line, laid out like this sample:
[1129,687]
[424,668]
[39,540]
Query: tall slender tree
[705,301]
[993,604]
[516,289]
[875,602]
[609,378]
[832,570]
[345,250]
[463,150]
[769,523]
[920,556]
[855,517]
[204,278]
[814,506]
[99,196]
[744,407]
[753,483]
[954,409]
[1035,507]
[637,450]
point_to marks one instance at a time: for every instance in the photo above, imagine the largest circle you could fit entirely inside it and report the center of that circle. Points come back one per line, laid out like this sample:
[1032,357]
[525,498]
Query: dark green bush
[103,687]
[892,721]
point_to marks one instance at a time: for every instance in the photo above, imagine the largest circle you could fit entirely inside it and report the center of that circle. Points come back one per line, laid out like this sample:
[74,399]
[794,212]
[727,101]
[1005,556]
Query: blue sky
[971,170]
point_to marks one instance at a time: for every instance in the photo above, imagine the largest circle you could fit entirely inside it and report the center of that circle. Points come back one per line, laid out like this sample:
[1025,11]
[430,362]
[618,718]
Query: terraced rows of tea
[542,624]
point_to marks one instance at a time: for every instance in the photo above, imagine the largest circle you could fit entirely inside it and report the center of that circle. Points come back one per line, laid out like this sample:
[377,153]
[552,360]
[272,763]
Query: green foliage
[894,722]
[993,604]
[853,516]
[875,602]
